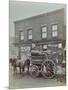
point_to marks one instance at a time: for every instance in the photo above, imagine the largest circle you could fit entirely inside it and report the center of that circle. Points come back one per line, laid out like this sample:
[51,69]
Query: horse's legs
[23,68]
[28,69]
[20,69]
[14,69]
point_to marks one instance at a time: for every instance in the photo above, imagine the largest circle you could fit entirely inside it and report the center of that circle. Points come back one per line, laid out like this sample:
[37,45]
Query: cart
[42,62]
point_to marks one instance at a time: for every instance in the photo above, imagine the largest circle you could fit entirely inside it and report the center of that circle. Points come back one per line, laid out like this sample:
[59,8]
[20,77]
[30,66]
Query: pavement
[18,81]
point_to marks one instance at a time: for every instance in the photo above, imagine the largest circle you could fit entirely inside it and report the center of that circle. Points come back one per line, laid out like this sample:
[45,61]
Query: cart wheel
[48,69]
[34,71]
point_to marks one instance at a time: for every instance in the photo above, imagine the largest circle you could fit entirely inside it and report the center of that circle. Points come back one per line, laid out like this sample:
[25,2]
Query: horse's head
[10,60]
[14,61]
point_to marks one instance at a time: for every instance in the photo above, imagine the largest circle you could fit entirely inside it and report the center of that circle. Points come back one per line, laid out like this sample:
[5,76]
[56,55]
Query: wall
[55,17]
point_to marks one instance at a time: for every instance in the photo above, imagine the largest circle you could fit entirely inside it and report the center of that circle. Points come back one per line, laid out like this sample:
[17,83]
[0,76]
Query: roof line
[37,15]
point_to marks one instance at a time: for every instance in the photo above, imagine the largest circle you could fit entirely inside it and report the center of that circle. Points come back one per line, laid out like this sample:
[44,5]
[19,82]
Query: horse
[27,65]
[21,64]
[17,64]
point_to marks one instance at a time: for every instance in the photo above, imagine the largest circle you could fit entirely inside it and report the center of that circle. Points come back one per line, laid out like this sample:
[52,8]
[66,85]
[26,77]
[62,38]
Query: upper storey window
[21,35]
[30,34]
[44,32]
[54,30]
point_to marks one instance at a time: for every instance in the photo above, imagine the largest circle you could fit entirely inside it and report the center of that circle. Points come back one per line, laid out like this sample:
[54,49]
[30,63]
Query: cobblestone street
[26,81]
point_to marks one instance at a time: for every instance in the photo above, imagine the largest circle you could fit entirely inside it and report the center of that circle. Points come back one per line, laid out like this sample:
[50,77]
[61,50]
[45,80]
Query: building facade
[42,31]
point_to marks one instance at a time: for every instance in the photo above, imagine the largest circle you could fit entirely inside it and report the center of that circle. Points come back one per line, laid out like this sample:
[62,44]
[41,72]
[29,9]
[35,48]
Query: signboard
[53,45]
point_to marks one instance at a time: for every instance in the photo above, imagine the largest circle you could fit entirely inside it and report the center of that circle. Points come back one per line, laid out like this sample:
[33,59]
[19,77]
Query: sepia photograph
[37,44]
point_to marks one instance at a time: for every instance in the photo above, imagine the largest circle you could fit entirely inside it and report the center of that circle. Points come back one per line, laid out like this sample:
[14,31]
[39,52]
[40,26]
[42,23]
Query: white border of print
[4,43]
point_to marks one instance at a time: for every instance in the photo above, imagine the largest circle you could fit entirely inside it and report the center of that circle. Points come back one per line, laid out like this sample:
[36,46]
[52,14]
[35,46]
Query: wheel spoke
[50,66]
[34,71]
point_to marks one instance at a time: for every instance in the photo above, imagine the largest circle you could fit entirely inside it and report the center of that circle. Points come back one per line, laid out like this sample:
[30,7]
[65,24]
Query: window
[33,45]
[29,34]
[44,32]
[54,30]
[60,45]
[44,46]
[21,35]
[26,48]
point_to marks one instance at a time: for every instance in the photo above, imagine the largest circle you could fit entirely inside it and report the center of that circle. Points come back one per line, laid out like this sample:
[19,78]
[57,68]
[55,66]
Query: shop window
[26,48]
[44,46]
[60,45]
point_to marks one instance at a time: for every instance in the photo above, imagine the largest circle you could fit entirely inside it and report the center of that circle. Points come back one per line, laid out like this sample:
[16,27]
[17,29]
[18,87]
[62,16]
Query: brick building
[45,31]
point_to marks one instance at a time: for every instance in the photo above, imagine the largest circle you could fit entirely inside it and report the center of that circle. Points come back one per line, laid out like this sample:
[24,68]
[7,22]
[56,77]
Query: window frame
[60,45]
[44,31]
[54,30]
[28,33]
[43,47]
[20,35]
